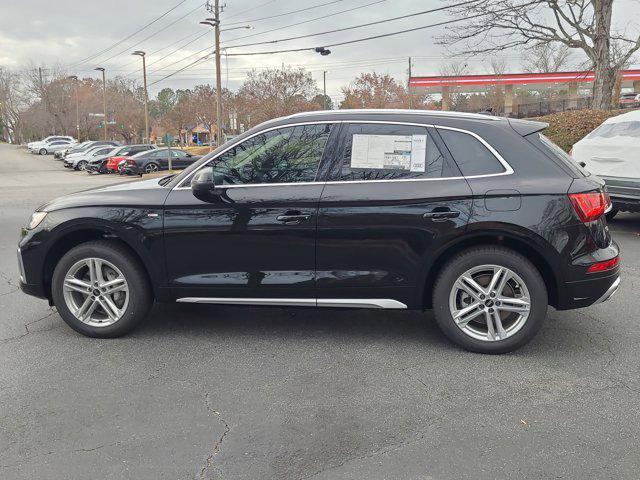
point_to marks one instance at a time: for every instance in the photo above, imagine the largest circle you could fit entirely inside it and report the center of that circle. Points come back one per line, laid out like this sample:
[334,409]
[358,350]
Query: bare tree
[12,104]
[496,25]
[546,58]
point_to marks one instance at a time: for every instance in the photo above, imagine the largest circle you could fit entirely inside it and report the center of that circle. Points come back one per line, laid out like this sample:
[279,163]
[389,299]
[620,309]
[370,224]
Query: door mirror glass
[203,185]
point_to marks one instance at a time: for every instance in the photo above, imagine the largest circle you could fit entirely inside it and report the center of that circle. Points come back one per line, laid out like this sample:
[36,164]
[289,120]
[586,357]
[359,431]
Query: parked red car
[112,162]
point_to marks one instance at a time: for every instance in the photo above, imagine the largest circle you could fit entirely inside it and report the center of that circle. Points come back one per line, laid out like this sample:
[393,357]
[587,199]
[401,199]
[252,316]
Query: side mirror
[204,187]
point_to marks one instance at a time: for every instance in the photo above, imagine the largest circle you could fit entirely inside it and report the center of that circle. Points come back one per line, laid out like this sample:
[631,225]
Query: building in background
[518,94]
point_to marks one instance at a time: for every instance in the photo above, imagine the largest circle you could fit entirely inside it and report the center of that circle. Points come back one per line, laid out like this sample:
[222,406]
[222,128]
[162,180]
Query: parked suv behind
[473,216]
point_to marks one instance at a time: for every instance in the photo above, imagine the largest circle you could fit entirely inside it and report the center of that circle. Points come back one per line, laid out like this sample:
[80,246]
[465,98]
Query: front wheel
[101,290]
[490,300]
[43,151]
[81,165]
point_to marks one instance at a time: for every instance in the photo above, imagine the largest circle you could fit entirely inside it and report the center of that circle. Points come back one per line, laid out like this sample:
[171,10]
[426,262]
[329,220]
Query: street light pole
[75,83]
[104,100]
[324,88]
[142,54]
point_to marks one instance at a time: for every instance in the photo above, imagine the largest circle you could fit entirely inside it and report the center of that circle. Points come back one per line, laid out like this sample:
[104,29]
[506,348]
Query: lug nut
[493,294]
[491,310]
[498,304]
[482,297]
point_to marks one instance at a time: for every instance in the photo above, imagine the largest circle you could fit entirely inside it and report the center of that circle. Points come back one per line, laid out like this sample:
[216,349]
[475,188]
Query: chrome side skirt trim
[386,303]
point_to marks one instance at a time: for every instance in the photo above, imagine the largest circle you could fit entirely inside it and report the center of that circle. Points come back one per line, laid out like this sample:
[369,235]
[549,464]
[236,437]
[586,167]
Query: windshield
[618,129]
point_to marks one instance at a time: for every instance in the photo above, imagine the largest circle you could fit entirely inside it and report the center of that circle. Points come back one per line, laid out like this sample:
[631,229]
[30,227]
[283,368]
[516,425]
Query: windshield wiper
[164,180]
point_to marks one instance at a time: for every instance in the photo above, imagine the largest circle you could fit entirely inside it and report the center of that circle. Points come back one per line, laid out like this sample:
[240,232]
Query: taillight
[604,266]
[590,205]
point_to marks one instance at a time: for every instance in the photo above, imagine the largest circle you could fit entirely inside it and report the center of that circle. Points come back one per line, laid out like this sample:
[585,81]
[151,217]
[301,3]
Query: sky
[65,32]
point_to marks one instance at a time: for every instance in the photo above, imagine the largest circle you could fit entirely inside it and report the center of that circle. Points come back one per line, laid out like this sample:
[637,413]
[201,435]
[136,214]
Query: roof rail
[377,111]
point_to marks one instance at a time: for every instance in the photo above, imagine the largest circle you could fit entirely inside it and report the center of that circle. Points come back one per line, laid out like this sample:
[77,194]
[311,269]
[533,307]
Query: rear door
[393,200]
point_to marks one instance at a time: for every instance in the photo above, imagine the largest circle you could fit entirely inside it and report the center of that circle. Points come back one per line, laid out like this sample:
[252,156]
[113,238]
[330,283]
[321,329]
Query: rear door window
[389,152]
[471,155]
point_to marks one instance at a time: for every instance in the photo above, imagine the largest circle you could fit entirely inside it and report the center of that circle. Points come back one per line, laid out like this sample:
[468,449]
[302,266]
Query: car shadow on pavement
[231,321]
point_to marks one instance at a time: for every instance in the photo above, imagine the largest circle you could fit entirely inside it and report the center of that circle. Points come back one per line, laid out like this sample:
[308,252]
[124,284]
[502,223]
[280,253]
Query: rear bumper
[610,291]
[624,193]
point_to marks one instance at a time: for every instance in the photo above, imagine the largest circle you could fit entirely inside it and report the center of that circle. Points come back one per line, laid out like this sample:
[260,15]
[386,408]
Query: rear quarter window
[559,156]
[471,155]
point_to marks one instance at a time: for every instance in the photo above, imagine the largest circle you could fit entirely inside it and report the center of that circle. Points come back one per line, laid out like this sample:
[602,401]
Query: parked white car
[79,161]
[612,151]
[51,147]
[36,146]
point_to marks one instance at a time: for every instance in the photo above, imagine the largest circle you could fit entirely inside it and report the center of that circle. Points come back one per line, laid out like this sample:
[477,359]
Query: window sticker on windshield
[389,152]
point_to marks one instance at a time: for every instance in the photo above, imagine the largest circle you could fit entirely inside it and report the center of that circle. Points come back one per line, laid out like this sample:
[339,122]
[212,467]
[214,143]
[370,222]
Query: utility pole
[218,72]
[104,100]
[409,85]
[142,54]
[324,88]
[215,23]
[75,83]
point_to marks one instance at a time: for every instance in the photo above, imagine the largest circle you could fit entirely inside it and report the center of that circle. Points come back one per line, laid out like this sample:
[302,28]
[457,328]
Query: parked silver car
[51,147]
[79,162]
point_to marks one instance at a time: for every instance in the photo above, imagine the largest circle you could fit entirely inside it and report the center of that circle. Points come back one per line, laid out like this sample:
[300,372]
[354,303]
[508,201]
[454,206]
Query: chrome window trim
[384,303]
[494,152]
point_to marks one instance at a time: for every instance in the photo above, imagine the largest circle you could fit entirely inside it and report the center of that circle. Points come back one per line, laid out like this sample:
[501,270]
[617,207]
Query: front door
[394,197]
[257,242]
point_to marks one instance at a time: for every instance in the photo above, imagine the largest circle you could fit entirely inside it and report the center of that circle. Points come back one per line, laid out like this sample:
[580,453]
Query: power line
[369,24]
[286,13]
[91,57]
[249,9]
[375,37]
[153,34]
[307,21]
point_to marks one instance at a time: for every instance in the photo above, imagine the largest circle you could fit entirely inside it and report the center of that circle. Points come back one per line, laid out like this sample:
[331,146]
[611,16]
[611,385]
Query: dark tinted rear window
[471,155]
[559,156]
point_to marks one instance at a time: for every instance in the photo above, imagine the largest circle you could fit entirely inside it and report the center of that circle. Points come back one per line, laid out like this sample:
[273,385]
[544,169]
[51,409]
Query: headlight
[36,219]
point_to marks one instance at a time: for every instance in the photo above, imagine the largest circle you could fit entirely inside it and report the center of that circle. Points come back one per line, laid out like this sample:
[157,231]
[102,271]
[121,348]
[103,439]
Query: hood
[139,193]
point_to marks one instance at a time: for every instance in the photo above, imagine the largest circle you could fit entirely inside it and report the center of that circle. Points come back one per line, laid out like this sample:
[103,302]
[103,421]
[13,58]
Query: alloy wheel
[150,168]
[96,292]
[489,303]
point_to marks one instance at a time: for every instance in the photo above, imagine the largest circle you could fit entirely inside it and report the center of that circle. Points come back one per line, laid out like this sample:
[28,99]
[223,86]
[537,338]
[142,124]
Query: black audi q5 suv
[481,219]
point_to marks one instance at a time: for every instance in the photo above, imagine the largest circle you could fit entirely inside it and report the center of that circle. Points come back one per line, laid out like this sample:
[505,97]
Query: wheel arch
[513,241]
[72,237]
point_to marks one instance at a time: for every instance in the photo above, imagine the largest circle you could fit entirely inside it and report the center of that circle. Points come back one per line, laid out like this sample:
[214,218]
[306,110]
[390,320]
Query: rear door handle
[293,216]
[441,213]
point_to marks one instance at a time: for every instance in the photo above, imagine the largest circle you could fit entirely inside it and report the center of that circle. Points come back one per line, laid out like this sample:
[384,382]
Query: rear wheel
[490,300]
[151,167]
[101,290]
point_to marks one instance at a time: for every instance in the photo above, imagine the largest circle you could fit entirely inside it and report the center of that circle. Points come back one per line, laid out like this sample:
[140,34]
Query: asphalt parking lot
[203,392]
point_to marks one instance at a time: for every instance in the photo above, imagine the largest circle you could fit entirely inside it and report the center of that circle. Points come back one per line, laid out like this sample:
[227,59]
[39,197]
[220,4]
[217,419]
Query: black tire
[42,151]
[490,255]
[81,164]
[140,293]
[611,214]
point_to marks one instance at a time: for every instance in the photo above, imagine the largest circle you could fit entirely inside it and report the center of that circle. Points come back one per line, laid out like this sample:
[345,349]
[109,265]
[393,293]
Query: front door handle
[440,214]
[293,217]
